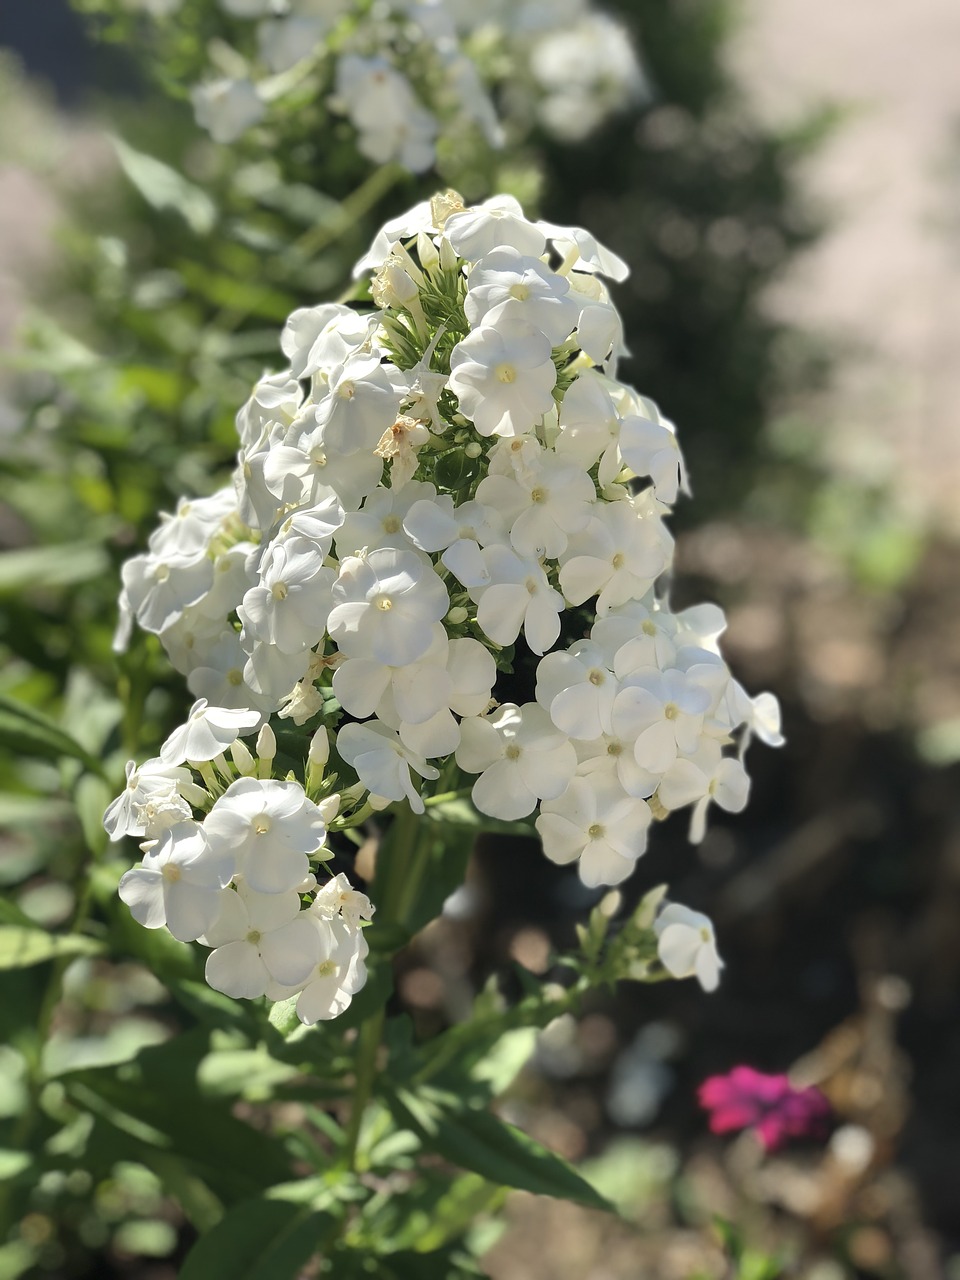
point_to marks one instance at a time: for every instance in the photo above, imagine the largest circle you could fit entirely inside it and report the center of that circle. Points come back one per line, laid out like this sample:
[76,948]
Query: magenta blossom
[770,1105]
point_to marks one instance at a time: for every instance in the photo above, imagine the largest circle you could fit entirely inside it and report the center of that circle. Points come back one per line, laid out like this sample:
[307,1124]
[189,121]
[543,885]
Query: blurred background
[787,198]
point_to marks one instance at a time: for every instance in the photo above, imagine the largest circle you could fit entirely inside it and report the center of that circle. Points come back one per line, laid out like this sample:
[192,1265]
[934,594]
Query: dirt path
[886,280]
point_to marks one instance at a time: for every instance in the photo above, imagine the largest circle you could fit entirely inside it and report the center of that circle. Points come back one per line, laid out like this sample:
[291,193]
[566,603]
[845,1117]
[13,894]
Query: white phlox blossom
[207,733]
[686,945]
[406,76]
[446,489]
[233,877]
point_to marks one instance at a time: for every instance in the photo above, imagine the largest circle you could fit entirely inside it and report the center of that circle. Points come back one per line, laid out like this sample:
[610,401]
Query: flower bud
[427,251]
[243,759]
[448,256]
[266,750]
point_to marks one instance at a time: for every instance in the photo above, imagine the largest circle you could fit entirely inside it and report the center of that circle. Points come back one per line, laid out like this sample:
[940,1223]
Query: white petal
[502,793]
[292,951]
[237,970]
[142,890]
[190,911]
[677,947]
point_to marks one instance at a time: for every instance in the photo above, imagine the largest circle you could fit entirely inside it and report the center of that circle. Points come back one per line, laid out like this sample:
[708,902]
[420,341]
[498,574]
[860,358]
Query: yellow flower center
[506,373]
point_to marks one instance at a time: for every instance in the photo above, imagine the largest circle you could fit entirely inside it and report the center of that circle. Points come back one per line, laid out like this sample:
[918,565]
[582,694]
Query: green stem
[356,206]
[368,1047]
[400,866]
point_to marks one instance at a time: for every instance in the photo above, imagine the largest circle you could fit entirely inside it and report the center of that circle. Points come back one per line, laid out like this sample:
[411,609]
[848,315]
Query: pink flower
[770,1105]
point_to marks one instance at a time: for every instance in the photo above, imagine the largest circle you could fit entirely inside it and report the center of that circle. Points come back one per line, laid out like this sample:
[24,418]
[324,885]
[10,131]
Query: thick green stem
[400,867]
[368,1047]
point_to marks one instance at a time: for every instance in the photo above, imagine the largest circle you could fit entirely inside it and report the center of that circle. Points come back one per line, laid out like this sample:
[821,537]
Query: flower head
[771,1105]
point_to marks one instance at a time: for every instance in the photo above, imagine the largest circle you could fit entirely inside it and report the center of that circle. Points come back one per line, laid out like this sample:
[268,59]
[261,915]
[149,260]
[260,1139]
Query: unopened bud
[266,745]
[378,802]
[448,255]
[319,752]
[243,759]
[473,450]
[427,251]
[329,806]
[457,615]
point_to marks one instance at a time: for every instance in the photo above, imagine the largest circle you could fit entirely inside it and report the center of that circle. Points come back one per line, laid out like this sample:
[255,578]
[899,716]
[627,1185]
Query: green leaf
[480,1141]
[248,1073]
[429,1214]
[164,188]
[21,947]
[258,1239]
[13,1163]
[461,813]
[37,567]
[504,1060]
[155,1100]
[28,732]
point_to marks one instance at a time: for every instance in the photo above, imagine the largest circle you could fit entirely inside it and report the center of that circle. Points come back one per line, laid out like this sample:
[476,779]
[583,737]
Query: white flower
[554,498]
[594,821]
[472,673]
[179,883]
[307,470]
[207,733]
[583,251]
[663,713]
[383,762]
[504,377]
[338,896]
[417,219]
[275,400]
[391,123]
[616,557]
[587,70]
[686,945]
[270,827]
[520,756]
[590,426]
[359,405]
[385,604]
[577,690]
[188,532]
[496,223]
[705,776]
[159,588]
[635,635]
[400,445]
[337,976]
[418,689]
[227,108]
[435,524]
[316,338]
[259,939]
[517,593]
[289,608]
[154,778]
[271,673]
[650,449]
[530,289]
[380,522]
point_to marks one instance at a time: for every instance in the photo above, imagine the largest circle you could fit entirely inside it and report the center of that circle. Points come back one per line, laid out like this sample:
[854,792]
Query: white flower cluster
[433,490]
[236,879]
[406,71]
